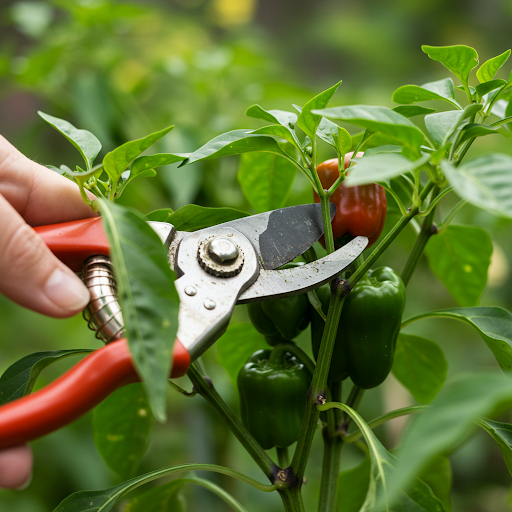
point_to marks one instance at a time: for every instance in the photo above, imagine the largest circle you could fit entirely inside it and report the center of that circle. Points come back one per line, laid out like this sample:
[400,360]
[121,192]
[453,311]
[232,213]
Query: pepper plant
[418,165]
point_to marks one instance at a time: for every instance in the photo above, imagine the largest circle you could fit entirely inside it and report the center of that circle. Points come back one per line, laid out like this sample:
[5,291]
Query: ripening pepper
[360,210]
[273,397]
[281,320]
[368,329]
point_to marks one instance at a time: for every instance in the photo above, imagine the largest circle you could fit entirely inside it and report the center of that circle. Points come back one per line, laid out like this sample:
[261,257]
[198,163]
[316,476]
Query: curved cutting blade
[281,235]
[273,284]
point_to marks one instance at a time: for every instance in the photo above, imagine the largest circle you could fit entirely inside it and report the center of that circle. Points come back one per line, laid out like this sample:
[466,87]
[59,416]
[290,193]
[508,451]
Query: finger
[31,275]
[16,467]
[39,195]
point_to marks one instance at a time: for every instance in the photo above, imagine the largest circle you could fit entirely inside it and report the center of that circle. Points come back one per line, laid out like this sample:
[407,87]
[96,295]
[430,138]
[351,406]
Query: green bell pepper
[273,387]
[281,320]
[368,329]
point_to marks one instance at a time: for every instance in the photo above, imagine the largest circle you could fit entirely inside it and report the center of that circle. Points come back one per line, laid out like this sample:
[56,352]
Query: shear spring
[103,313]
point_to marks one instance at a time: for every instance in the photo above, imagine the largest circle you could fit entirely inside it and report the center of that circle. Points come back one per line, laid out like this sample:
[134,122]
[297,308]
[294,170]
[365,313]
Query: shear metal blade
[281,235]
[272,284]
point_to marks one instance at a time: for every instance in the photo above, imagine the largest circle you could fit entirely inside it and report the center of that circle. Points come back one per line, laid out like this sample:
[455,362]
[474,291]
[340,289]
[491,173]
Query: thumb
[31,275]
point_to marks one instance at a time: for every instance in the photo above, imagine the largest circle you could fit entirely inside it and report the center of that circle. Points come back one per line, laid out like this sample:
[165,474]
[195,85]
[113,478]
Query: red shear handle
[74,242]
[74,393]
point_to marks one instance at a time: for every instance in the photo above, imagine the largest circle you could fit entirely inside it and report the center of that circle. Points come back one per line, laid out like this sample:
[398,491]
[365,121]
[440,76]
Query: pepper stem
[282,457]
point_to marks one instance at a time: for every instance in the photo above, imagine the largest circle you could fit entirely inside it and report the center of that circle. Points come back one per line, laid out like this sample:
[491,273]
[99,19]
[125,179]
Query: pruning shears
[236,262]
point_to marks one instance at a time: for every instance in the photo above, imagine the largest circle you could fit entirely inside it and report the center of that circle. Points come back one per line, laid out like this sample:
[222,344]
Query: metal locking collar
[220,256]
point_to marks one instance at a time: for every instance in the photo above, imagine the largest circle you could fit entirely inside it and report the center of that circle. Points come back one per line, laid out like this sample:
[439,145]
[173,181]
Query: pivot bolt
[222,250]
[220,257]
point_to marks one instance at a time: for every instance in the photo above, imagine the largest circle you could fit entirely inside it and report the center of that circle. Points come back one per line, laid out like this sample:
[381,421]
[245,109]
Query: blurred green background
[122,70]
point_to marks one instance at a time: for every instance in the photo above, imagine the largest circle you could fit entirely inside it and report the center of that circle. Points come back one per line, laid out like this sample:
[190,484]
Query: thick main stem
[317,391]
[333,445]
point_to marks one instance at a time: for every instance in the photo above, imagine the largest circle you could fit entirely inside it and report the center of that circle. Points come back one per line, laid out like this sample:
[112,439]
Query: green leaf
[460,257]
[266,180]
[19,379]
[105,500]
[278,130]
[86,143]
[484,182]
[379,119]
[413,110]
[418,497]
[502,434]
[234,142]
[443,125]
[440,90]
[309,121]
[487,71]
[236,345]
[487,87]
[448,420]
[459,59]
[193,217]
[286,119]
[438,476]
[122,425]
[386,148]
[381,167]
[118,160]
[143,167]
[472,130]
[420,366]
[148,298]
[144,163]
[164,498]
[353,486]
[335,136]
[493,324]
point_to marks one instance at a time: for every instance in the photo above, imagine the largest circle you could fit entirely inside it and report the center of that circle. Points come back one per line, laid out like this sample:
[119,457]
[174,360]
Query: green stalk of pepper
[368,328]
[281,320]
[273,393]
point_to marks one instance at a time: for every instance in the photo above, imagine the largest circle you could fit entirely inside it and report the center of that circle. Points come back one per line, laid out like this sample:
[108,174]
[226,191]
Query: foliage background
[122,70]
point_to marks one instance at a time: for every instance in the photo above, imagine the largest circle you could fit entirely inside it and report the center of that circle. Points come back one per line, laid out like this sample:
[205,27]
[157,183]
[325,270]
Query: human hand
[32,195]
[30,275]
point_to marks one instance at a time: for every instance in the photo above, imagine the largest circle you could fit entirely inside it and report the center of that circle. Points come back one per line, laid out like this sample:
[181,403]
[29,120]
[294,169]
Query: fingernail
[67,291]
[23,486]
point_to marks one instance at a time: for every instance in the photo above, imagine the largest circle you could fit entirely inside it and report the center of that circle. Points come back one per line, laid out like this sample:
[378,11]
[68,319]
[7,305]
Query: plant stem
[452,214]
[425,233]
[355,396]
[206,389]
[282,457]
[179,389]
[333,445]
[280,348]
[330,470]
[326,216]
[393,233]
[317,391]
[405,411]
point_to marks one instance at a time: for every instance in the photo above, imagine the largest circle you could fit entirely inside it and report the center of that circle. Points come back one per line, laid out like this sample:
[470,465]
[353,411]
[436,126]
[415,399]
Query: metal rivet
[190,290]
[209,304]
[222,250]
